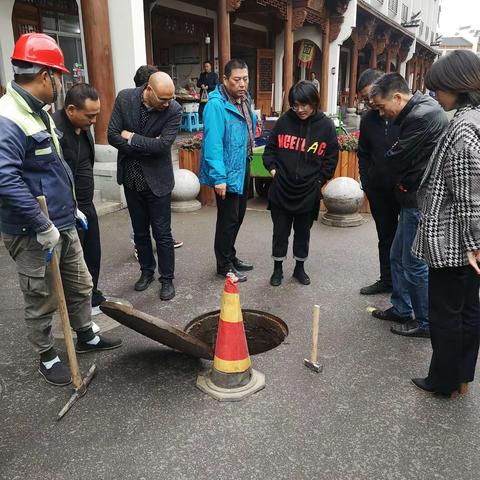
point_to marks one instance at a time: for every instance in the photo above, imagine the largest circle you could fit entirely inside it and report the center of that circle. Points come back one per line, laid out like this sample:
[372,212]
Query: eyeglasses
[162,101]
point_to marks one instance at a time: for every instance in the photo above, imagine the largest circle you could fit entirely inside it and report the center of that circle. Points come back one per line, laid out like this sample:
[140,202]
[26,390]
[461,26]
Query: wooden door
[265,80]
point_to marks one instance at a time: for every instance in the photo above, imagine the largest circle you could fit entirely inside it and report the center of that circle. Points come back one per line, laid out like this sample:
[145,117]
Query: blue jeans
[409,274]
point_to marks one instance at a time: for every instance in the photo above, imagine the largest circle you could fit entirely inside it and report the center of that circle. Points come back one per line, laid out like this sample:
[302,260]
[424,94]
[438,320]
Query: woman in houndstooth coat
[448,236]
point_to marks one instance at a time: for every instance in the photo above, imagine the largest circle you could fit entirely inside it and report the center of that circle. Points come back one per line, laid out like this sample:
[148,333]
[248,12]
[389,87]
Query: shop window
[404,13]
[393,6]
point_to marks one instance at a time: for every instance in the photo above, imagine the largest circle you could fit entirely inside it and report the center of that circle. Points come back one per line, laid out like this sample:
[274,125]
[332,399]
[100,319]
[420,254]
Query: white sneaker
[95,328]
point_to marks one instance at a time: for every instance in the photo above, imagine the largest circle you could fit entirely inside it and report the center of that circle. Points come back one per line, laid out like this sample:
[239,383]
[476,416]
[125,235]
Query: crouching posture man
[31,165]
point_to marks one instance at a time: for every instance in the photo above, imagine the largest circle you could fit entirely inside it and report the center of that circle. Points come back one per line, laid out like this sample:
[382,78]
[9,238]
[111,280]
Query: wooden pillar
[415,75]
[223,20]
[98,50]
[399,64]
[288,55]
[353,69]
[422,69]
[148,31]
[373,56]
[388,66]
[325,65]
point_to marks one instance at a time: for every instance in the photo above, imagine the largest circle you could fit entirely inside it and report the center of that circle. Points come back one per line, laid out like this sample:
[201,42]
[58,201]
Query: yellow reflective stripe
[231,366]
[230,308]
[43,151]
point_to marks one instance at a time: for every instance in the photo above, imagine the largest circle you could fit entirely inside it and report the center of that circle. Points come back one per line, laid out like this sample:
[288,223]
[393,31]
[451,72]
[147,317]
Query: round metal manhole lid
[157,329]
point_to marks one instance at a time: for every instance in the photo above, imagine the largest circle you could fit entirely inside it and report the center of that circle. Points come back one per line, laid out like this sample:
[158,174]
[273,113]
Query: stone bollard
[185,192]
[343,198]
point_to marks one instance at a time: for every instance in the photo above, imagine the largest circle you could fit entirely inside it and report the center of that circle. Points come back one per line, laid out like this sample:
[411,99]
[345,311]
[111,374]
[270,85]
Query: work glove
[81,219]
[48,239]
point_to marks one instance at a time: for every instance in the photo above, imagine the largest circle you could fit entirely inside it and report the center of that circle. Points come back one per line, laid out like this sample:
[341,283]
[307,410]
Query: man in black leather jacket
[82,106]
[421,121]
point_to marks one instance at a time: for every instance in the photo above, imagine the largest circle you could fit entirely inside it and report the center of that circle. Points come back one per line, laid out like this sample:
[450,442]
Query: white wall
[6,41]
[127,33]
[334,59]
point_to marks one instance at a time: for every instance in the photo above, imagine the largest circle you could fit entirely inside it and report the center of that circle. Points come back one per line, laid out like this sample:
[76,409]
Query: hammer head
[316,367]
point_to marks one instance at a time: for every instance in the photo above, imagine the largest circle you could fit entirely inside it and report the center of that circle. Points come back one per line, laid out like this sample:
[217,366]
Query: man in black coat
[82,106]
[421,121]
[144,124]
[377,136]
[207,83]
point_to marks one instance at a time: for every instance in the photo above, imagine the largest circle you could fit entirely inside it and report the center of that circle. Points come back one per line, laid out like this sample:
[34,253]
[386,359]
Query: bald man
[145,122]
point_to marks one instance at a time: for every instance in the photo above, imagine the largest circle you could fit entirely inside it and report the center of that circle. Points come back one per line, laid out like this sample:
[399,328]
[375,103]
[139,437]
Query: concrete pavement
[143,418]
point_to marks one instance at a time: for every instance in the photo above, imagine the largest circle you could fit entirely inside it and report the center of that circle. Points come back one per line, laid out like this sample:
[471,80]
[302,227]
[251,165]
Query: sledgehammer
[313,364]
[80,385]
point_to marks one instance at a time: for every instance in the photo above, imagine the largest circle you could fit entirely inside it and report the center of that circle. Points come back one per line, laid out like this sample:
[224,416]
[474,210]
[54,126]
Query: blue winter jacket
[224,146]
[31,164]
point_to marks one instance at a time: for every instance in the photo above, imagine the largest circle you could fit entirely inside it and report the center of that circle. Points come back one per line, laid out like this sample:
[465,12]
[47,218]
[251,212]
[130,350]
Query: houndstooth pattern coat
[449,195]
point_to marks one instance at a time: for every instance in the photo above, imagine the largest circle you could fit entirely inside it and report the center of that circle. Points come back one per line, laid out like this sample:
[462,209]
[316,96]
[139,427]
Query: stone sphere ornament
[343,198]
[185,192]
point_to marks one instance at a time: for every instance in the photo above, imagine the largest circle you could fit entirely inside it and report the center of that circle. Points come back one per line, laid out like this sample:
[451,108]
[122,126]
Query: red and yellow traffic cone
[231,377]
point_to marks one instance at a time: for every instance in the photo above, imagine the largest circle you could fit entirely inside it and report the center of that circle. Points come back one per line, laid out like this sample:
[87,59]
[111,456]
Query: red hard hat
[40,49]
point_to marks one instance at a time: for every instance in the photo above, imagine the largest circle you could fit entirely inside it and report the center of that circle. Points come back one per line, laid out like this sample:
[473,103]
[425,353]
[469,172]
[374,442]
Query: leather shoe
[276,278]
[167,291]
[378,287]
[146,278]
[301,276]
[424,384]
[411,329]
[223,273]
[390,316]
[242,266]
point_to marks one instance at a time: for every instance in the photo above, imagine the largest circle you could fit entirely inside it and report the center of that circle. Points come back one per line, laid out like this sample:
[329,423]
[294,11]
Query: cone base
[256,383]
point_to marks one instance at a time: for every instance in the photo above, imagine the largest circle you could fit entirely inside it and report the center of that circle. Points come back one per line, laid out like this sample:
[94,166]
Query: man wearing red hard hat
[32,165]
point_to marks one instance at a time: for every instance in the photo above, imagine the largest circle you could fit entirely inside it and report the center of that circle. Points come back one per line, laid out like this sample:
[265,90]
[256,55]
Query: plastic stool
[190,122]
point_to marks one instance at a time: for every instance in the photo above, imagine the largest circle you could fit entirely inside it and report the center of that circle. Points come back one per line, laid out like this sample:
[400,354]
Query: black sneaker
[167,291]
[301,276]
[103,344]
[378,287]
[58,374]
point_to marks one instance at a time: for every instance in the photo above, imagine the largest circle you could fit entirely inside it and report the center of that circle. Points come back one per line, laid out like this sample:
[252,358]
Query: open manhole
[263,330]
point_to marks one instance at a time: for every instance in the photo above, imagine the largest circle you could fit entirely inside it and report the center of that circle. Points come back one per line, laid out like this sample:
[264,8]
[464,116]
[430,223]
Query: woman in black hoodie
[301,155]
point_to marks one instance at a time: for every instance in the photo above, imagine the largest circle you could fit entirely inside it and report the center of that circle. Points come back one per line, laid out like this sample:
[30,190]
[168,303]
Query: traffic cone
[231,377]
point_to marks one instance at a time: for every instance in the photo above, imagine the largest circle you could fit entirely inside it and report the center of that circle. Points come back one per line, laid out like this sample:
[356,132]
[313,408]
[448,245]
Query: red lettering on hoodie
[304,141]
[293,142]
[281,139]
[322,149]
[286,143]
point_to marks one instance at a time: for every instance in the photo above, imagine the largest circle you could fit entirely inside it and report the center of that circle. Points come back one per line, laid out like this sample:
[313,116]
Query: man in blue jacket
[228,141]
[32,165]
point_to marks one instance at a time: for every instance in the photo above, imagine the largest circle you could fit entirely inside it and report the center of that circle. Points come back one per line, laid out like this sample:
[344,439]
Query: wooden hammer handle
[315,327]
[62,309]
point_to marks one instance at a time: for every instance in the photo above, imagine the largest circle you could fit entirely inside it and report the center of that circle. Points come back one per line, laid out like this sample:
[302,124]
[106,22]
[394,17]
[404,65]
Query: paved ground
[143,418]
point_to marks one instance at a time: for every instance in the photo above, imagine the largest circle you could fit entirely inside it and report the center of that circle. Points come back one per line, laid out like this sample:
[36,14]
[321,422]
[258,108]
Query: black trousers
[282,226]
[230,214]
[92,251]
[149,211]
[454,315]
[385,211]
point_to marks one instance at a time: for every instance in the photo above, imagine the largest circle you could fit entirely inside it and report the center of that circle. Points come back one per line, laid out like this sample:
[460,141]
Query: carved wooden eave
[299,17]
[336,10]
[233,5]
[280,5]
[315,11]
